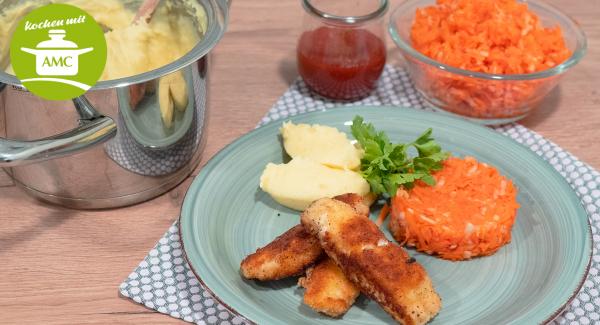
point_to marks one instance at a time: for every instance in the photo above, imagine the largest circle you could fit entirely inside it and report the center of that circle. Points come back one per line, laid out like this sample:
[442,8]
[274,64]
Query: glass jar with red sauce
[341,52]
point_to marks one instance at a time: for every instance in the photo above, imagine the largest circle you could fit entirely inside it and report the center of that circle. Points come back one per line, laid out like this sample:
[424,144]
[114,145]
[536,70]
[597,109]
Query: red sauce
[341,63]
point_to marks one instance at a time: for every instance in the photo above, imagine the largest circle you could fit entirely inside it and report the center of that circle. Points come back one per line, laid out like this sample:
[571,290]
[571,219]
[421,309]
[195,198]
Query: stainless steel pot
[104,149]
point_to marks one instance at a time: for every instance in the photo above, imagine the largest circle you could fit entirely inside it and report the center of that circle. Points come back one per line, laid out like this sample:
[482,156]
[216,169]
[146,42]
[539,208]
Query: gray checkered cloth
[164,282]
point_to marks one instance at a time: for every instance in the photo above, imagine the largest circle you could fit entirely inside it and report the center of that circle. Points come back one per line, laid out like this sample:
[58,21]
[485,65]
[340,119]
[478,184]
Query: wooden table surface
[62,266]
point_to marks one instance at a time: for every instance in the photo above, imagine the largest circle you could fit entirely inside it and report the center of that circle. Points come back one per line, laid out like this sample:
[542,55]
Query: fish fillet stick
[288,255]
[292,252]
[327,289]
[380,269]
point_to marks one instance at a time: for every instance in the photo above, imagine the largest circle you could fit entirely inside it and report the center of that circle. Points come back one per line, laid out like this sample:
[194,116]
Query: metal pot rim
[215,30]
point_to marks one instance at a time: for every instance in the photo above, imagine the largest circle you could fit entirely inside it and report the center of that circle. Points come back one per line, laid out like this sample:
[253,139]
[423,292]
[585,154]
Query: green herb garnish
[387,166]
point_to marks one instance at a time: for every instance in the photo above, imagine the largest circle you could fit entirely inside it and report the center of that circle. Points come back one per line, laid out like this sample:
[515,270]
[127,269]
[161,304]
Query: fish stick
[358,202]
[327,289]
[288,255]
[380,269]
[292,252]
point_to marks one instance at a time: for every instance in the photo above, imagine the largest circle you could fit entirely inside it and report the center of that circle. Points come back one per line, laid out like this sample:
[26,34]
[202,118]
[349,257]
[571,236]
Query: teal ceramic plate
[226,216]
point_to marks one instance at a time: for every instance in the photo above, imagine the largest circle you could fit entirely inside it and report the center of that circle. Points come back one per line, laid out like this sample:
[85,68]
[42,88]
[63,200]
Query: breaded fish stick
[382,270]
[288,255]
[292,252]
[327,289]
[357,202]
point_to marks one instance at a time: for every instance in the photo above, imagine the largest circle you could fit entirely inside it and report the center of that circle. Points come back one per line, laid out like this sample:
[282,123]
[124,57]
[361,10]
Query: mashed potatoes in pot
[132,48]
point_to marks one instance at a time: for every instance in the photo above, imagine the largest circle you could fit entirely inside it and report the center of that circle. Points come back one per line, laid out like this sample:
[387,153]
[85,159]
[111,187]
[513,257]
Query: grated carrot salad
[385,210]
[469,212]
[489,36]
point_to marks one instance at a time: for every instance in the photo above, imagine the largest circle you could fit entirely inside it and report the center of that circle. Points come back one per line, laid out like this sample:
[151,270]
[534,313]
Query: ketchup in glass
[343,57]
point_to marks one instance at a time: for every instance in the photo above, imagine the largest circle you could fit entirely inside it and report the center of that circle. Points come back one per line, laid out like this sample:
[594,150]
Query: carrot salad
[469,212]
[385,210]
[489,36]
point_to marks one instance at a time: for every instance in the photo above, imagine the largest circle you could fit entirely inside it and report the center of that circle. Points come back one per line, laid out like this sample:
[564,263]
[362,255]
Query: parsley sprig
[387,166]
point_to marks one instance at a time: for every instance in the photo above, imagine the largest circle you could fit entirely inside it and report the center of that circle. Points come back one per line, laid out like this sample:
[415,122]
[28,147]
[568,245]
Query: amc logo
[57,62]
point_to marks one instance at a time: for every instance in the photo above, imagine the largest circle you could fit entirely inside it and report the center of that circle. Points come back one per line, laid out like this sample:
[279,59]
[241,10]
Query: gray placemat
[163,281]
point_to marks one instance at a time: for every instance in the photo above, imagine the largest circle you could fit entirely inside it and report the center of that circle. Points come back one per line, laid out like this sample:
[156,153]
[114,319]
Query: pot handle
[93,129]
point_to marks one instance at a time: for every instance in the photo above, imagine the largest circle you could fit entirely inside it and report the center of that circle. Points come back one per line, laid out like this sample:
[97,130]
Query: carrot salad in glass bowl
[492,61]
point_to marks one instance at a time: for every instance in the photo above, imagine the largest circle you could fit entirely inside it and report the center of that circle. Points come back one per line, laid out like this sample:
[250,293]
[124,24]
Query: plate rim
[223,151]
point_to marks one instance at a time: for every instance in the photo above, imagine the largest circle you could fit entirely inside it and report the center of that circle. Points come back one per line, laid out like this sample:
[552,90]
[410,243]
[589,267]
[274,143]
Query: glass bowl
[481,97]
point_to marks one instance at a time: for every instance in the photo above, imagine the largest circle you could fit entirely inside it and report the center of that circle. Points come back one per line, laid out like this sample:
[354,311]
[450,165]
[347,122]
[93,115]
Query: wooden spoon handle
[146,10]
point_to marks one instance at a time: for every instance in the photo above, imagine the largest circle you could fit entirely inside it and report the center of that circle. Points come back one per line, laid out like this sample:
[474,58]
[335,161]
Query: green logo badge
[58,52]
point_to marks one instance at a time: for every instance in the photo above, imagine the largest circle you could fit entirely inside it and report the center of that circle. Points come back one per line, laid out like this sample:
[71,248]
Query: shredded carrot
[469,212]
[385,210]
[489,36]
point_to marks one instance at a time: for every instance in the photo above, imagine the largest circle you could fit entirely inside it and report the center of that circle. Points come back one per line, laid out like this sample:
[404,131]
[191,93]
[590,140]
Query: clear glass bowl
[484,98]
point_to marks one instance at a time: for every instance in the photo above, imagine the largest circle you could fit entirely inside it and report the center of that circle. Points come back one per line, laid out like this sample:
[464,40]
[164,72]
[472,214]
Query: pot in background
[109,148]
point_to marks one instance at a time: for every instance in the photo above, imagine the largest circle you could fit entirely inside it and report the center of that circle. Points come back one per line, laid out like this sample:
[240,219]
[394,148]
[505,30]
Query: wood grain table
[63,266]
